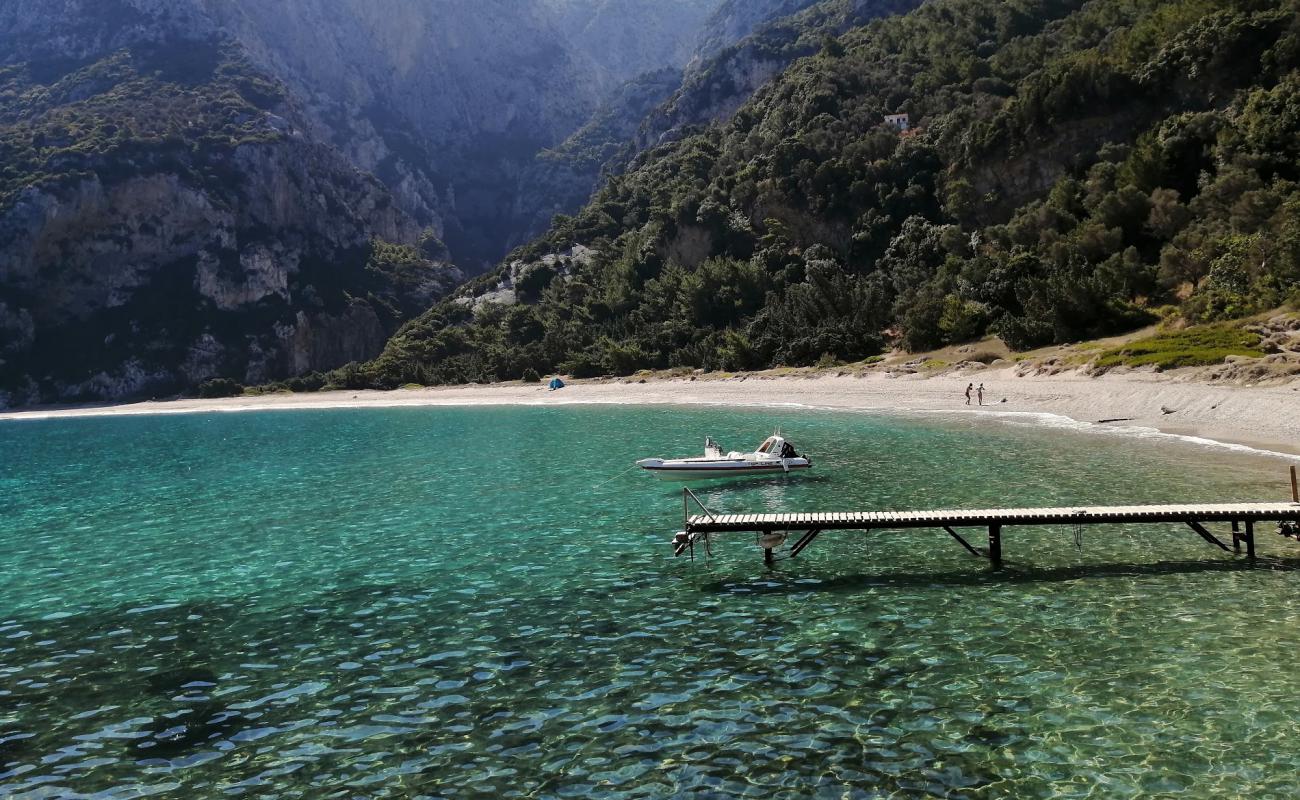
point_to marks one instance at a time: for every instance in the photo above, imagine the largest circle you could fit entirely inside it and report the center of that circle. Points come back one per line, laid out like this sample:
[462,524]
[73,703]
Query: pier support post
[804,542]
[768,558]
[1236,536]
[954,534]
[995,544]
[1207,536]
[1250,538]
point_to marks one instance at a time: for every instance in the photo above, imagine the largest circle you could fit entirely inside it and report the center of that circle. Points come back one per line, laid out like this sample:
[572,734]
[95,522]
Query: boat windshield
[767,445]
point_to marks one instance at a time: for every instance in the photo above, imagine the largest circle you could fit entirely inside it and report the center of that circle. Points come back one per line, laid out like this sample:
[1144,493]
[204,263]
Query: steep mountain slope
[1069,167]
[445,103]
[714,87]
[561,179]
[737,19]
[165,218]
[743,46]
[626,38]
[194,188]
[448,104]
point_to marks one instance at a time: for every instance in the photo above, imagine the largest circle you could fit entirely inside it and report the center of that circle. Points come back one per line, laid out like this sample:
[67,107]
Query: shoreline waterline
[1255,421]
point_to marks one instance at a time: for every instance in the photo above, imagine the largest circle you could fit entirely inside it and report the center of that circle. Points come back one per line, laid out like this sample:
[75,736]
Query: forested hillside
[1072,169]
[745,45]
[193,189]
[714,88]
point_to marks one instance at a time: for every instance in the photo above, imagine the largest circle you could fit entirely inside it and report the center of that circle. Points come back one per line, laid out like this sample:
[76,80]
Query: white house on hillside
[900,122]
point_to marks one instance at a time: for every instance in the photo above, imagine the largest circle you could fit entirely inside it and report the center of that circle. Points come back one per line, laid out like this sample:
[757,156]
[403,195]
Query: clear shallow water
[445,603]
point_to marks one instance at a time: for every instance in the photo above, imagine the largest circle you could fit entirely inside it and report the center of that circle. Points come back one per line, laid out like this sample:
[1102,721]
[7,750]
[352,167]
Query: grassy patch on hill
[1193,347]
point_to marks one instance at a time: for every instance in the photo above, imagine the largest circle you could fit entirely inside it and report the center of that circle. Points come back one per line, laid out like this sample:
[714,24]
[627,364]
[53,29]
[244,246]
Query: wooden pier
[773,529]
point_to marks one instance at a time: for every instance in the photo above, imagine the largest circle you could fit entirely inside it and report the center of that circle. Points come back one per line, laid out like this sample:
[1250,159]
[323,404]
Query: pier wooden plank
[866,520]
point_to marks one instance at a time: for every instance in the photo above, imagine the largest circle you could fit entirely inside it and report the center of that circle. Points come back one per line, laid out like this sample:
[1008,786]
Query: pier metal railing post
[686,509]
[1295,487]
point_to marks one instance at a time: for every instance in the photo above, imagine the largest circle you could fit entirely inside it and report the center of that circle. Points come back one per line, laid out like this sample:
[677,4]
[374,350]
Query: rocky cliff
[449,105]
[166,217]
[199,188]
[627,38]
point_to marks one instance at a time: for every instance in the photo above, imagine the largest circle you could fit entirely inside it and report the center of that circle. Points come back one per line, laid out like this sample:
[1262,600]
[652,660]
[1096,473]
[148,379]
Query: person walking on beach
[980,392]
[970,387]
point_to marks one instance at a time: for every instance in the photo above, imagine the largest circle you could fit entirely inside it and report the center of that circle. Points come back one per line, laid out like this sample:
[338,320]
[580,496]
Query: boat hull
[702,473]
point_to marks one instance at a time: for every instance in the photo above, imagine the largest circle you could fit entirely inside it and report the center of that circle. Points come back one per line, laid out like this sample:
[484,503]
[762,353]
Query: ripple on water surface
[446,602]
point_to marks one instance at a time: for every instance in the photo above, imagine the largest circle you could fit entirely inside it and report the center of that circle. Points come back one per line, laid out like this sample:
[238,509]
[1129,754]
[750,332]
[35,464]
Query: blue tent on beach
[556,383]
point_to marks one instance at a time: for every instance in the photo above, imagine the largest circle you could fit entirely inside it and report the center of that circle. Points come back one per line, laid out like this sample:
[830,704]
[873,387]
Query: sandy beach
[1263,418]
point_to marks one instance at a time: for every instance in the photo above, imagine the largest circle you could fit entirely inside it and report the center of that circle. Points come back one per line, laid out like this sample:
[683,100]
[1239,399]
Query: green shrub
[1199,346]
[828,361]
[311,382]
[531,376]
[584,365]
[220,387]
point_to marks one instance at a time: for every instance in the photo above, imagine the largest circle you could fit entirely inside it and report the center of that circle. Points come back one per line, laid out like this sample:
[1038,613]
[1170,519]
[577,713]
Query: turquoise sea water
[449,603]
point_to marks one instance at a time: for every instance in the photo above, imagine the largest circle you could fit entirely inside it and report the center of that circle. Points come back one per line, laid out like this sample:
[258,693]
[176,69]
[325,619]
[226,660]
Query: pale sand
[1263,418]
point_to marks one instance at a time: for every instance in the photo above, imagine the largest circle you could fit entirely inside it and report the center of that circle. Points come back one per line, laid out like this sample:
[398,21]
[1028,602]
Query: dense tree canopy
[1071,166]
